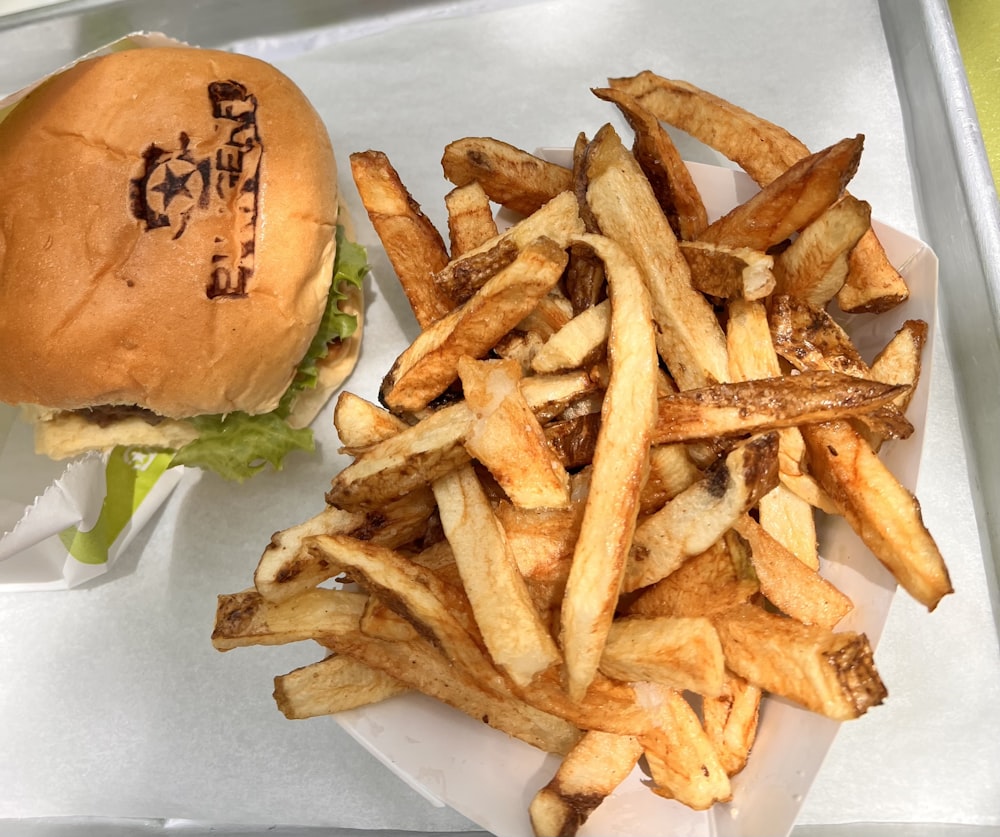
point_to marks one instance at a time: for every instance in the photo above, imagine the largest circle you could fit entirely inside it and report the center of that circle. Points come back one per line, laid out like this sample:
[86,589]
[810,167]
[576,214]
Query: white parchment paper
[113,701]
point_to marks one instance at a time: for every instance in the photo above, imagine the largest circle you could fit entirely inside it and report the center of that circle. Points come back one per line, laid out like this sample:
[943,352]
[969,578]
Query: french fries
[584,510]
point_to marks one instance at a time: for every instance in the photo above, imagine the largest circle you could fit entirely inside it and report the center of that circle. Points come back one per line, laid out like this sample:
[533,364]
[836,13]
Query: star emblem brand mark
[173,185]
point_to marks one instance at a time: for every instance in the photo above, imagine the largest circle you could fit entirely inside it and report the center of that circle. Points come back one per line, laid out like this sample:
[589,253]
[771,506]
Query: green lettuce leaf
[238,445]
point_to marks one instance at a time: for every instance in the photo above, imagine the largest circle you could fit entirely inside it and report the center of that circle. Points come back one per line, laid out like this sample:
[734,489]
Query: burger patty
[104,415]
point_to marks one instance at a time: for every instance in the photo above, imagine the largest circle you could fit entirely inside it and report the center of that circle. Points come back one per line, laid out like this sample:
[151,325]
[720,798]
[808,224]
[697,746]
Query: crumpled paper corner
[81,521]
[64,524]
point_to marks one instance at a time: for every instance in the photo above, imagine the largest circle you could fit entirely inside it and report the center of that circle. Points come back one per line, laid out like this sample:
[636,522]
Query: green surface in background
[977,27]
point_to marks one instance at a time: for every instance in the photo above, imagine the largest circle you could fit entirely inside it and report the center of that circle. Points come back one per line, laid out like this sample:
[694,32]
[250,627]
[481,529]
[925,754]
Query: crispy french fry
[900,362]
[682,652]
[417,456]
[430,364]
[422,667]
[697,517]
[510,177]
[730,722]
[872,285]
[729,272]
[470,218]
[814,266]
[360,423]
[791,201]
[885,515]
[761,148]
[507,438]
[660,161]
[590,772]
[286,567]
[558,220]
[791,586]
[786,512]
[736,409]
[581,339]
[704,584]
[688,337]
[764,151]
[620,459]
[246,618]
[832,673]
[332,685]
[809,338]
[416,594]
[414,247]
[682,759]
[514,634]
[790,518]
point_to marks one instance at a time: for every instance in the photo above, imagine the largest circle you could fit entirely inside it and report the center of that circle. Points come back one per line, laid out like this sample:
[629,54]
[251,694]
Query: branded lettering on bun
[175,271]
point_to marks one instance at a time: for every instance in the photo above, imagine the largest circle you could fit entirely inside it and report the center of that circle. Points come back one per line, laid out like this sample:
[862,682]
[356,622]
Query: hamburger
[176,270]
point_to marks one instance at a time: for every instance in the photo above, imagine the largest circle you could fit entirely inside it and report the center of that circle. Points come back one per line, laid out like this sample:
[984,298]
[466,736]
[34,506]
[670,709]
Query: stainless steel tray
[957,213]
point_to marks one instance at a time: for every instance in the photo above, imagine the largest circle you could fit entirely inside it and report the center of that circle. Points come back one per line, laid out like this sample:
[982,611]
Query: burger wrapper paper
[63,524]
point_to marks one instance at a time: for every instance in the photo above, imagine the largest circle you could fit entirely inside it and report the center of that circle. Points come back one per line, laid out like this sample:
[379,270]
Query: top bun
[167,234]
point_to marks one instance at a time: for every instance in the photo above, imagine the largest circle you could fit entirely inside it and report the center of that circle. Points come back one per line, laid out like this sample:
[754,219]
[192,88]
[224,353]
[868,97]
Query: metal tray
[957,214]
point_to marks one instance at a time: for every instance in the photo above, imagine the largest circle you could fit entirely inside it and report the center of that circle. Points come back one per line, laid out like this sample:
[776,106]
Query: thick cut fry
[682,759]
[731,722]
[510,177]
[814,266]
[676,651]
[590,772]
[791,201]
[670,472]
[764,151]
[729,272]
[660,161]
[688,335]
[411,459]
[580,340]
[360,423]
[761,148]
[423,668]
[332,685]
[425,369]
[559,220]
[736,409]
[380,620]
[789,518]
[512,630]
[415,593]
[697,517]
[791,586]
[832,673]
[872,285]
[470,218]
[809,338]
[786,512]
[507,438]
[620,462]
[247,618]
[286,568]
[412,243]
[417,456]
[884,514]
[900,362]
[704,584]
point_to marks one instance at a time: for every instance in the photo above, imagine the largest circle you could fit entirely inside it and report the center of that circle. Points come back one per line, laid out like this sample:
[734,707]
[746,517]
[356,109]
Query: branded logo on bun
[174,267]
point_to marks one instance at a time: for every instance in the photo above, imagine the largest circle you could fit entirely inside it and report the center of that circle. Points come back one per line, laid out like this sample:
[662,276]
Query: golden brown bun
[131,187]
